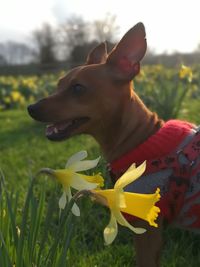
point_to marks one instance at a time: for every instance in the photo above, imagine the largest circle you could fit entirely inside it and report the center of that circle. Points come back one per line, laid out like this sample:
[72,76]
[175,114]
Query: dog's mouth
[65,129]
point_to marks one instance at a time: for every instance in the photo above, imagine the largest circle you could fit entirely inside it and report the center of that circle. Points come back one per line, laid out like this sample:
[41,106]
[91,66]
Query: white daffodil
[71,178]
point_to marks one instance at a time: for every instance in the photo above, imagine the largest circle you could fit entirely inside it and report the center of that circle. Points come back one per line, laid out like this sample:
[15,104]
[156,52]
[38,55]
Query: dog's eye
[78,89]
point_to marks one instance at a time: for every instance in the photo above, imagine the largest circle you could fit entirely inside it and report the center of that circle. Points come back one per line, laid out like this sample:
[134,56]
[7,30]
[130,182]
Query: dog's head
[91,97]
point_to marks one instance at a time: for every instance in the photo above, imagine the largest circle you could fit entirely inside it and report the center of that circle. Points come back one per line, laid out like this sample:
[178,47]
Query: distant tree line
[69,41]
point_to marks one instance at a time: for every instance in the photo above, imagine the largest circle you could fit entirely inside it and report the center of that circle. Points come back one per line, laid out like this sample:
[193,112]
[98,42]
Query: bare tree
[73,33]
[72,40]
[2,61]
[2,56]
[14,53]
[77,37]
[45,44]
[106,29]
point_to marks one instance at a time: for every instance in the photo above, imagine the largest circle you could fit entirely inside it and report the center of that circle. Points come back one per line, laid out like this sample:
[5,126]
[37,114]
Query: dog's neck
[129,129]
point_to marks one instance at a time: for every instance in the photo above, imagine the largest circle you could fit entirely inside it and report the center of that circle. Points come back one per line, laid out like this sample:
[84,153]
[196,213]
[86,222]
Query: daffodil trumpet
[71,178]
[118,201]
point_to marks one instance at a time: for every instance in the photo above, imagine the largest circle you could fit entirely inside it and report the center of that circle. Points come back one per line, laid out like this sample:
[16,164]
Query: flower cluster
[16,92]
[153,84]
[116,199]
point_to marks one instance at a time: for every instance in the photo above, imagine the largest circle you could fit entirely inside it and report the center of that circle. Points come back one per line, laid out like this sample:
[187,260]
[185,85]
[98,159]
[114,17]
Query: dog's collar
[158,145]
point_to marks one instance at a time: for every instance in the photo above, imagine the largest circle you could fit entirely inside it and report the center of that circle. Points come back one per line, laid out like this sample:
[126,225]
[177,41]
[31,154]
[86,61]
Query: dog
[98,99]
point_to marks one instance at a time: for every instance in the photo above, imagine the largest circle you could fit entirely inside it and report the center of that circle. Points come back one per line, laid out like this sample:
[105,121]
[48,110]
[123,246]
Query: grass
[24,150]
[28,240]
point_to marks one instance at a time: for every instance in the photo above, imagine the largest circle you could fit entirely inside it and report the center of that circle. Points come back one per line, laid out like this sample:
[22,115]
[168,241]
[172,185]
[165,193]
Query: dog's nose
[32,110]
[38,112]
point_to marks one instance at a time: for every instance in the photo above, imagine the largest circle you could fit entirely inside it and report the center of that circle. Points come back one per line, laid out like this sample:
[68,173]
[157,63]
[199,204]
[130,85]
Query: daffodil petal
[120,199]
[131,175]
[62,201]
[132,167]
[76,157]
[68,193]
[76,210]
[84,165]
[63,176]
[97,179]
[121,220]
[111,230]
[79,183]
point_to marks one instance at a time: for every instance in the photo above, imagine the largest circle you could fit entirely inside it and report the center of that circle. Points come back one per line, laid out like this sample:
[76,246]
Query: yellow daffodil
[185,72]
[16,96]
[118,201]
[71,178]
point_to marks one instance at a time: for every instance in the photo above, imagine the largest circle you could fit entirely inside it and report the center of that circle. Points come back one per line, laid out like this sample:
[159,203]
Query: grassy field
[24,150]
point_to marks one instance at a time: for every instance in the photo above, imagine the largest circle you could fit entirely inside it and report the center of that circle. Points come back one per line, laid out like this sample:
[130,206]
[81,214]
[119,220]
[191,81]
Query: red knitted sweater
[161,144]
[158,145]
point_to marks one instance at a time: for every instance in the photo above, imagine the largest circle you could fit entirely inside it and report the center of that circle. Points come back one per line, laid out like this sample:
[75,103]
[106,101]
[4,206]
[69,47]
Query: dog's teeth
[52,128]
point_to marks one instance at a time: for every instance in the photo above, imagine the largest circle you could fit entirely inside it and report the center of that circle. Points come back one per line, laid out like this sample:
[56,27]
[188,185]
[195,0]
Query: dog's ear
[97,55]
[126,56]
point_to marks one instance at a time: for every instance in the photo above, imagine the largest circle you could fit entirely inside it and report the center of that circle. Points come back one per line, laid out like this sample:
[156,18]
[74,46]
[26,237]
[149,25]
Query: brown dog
[98,99]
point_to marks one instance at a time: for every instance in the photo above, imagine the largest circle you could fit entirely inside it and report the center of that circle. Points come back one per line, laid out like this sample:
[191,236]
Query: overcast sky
[172,25]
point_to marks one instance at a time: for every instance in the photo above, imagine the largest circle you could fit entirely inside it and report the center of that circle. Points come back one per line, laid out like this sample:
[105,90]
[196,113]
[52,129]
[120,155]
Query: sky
[171,25]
